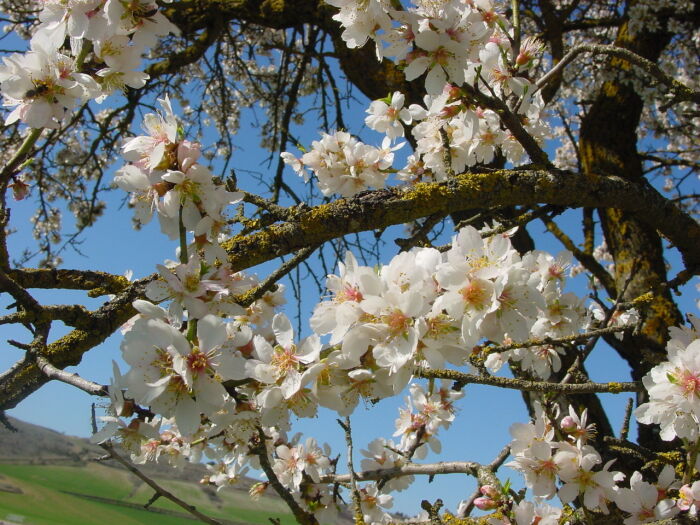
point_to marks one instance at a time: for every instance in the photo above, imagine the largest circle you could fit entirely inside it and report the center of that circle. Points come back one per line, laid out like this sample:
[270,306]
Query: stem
[191,330]
[515,6]
[183,238]
[356,499]
[22,152]
[84,50]
[691,457]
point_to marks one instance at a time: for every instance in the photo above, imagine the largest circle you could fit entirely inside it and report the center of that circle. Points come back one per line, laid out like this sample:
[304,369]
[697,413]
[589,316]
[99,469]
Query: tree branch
[382,208]
[531,386]
[680,91]
[159,490]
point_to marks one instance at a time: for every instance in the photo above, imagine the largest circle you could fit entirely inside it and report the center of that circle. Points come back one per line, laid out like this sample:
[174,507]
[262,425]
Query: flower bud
[484,503]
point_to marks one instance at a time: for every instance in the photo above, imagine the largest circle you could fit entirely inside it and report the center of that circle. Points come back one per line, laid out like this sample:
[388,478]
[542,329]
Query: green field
[42,501]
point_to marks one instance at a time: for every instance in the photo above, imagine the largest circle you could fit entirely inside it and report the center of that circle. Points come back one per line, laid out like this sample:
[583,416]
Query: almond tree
[474,88]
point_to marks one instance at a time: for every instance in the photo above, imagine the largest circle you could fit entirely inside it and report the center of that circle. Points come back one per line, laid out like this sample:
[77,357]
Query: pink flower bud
[490,492]
[485,503]
[568,424]
[20,189]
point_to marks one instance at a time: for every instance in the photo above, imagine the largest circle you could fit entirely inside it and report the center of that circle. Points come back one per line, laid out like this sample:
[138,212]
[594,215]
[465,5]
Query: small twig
[421,233]
[523,219]
[586,259]
[433,510]
[566,340]
[626,421]
[681,91]
[409,469]
[154,498]
[356,499]
[246,299]
[159,490]
[530,386]
[302,517]
[20,154]
[50,371]
[446,154]
[492,468]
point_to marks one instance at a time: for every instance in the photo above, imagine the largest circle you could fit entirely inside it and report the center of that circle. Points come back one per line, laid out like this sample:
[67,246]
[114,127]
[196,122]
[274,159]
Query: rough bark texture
[608,144]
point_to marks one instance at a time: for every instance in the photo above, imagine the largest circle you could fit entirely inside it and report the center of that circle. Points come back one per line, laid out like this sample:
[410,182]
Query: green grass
[43,503]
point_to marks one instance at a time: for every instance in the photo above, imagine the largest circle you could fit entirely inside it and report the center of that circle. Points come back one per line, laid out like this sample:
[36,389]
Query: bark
[608,144]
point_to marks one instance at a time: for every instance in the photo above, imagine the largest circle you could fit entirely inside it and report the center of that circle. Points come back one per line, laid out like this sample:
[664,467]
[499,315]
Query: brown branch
[356,499]
[268,284]
[24,377]
[378,209]
[531,386]
[51,372]
[410,469]
[586,259]
[680,91]
[302,517]
[70,314]
[159,490]
[382,208]
[99,283]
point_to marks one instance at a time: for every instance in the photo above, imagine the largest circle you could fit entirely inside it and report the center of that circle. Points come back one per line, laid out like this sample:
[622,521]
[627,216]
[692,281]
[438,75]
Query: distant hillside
[34,444]
[39,465]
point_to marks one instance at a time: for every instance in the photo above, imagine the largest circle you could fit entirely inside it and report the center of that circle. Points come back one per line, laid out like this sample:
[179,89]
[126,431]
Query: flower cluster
[674,388]
[344,165]
[165,177]
[459,46]
[42,83]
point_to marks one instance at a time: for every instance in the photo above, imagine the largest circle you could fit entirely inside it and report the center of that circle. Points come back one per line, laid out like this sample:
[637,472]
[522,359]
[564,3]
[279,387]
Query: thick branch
[24,377]
[382,208]
[99,283]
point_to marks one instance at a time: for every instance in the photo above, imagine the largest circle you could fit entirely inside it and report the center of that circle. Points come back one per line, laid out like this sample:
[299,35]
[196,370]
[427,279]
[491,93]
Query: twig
[303,517]
[492,467]
[523,219]
[356,499]
[256,293]
[152,500]
[159,490]
[588,261]
[530,386]
[50,371]
[409,469]
[681,91]
[567,340]
[626,421]
[433,510]
[446,153]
